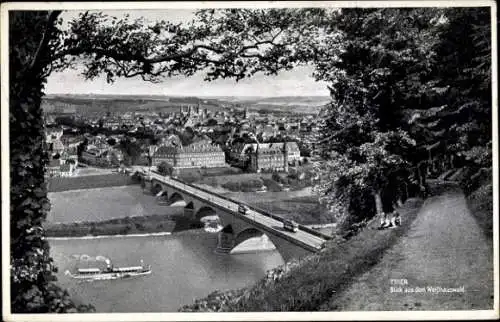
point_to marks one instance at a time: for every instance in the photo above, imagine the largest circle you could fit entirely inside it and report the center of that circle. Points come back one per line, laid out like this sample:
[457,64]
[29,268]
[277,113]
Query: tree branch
[45,38]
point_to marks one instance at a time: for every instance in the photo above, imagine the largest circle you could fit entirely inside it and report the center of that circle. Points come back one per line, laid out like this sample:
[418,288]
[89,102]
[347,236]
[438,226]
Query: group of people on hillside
[392,220]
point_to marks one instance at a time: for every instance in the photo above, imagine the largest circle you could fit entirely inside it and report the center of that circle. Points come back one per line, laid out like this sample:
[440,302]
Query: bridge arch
[163,196]
[176,197]
[205,211]
[250,233]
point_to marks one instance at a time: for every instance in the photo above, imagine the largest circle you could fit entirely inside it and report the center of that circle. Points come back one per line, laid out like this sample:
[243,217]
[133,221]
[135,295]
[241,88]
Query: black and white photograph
[249,161]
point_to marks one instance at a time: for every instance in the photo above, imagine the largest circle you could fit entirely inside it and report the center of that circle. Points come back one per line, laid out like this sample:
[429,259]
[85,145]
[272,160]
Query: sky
[297,82]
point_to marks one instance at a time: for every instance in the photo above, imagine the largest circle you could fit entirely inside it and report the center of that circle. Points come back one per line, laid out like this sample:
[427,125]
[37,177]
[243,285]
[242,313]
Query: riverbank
[309,283]
[139,225]
[59,184]
[111,236]
[193,232]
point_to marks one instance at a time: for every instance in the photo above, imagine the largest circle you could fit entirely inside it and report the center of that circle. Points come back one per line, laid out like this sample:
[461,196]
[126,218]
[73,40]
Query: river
[185,265]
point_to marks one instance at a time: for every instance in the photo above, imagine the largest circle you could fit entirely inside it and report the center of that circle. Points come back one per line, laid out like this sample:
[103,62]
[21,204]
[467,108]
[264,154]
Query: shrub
[190,177]
[165,168]
[271,185]
[232,185]
[212,181]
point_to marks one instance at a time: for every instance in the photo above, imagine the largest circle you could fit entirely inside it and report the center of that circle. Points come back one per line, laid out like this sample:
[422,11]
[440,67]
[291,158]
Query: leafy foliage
[132,151]
[165,168]
[464,68]
[232,43]
[405,92]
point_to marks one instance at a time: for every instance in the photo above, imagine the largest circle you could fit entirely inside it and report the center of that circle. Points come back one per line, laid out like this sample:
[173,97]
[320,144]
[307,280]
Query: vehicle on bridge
[291,225]
[242,209]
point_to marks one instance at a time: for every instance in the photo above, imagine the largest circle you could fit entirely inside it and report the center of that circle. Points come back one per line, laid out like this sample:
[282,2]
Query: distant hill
[296,104]
[121,103]
[70,103]
[287,100]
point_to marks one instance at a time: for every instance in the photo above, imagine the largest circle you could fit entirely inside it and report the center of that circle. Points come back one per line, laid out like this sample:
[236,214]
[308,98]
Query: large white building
[200,154]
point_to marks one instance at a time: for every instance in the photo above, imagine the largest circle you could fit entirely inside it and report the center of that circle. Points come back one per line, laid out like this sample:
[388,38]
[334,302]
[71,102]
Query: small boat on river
[110,272]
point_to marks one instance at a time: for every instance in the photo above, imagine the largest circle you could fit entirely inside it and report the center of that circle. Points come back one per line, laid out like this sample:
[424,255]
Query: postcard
[249,161]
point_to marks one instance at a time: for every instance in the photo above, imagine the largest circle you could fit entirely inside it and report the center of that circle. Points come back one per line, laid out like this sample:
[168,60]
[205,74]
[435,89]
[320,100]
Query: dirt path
[444,248]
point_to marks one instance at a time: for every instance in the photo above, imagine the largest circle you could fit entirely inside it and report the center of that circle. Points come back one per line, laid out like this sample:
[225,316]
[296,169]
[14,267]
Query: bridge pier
[188,212]
[147,184]
[225,240]
[225,243]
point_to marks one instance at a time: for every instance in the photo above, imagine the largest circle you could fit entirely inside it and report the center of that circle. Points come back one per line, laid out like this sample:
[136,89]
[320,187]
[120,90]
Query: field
[195,175]
[120,103]
[242,181]
[305,210]
[281,104]
[221,180]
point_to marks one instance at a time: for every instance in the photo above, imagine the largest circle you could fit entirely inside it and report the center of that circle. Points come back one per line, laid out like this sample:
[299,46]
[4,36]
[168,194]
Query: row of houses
[63,156]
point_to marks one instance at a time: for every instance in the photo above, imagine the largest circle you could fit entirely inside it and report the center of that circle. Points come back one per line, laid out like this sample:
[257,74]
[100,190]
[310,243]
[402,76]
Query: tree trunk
[378,202]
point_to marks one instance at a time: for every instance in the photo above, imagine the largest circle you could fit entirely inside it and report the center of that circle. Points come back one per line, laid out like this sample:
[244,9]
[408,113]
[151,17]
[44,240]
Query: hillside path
[444,247]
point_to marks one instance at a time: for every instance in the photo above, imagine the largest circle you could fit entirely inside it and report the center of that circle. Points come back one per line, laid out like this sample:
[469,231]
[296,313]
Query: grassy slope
[480,203]
[444,247]
[311,282]
[478,188]
[477,184]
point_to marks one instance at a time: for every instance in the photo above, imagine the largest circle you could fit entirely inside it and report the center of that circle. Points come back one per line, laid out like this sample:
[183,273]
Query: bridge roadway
[269,224]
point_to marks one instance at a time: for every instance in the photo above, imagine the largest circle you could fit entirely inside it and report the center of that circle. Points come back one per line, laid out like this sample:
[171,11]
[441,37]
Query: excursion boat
[110,272]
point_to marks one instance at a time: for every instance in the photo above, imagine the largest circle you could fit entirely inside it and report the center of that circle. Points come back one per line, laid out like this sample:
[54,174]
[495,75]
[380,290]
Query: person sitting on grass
[395,220]
[384,222]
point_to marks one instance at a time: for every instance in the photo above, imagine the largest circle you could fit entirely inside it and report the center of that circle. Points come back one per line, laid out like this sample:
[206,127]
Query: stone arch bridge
[237,227]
